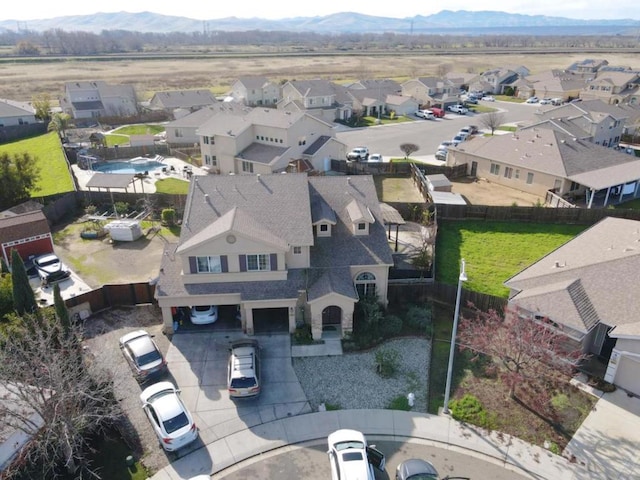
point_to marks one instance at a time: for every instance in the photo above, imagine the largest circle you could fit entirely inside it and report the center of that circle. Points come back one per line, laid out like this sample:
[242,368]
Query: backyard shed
[124,230]
[438,183]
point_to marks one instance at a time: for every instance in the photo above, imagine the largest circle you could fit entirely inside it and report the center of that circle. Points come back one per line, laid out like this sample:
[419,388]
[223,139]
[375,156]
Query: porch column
[593,194]
[316,324]
[247,321]
[167,320]
[292,319]
[606,197]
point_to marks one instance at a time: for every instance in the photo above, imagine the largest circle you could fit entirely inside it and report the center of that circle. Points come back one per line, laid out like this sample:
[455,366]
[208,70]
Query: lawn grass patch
[54,176]
[495,251]
[508,98]
[482,109]
[172,186]
[631,205]
[507,128]
[147,129]
[116,139]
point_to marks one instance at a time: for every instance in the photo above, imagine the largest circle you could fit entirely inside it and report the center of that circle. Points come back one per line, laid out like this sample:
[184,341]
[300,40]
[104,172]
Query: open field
[22,80]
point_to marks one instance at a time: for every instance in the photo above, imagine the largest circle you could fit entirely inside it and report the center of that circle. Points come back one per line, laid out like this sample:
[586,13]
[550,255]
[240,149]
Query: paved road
[310,462]
[427,134]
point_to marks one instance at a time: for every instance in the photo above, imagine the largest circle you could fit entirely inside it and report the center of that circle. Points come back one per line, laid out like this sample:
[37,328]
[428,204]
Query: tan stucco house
[179,103]
[255,91]
[323,99]
[428,91]
[543,160]
[96,99]
[587,288]
[281,249]
[613,87]
[267,140]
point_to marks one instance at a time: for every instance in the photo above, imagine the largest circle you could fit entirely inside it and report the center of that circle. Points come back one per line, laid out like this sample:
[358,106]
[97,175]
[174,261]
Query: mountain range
[444,22]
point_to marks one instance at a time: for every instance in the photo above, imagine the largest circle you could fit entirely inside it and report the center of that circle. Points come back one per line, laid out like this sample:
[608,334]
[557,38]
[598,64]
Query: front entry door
[331,316]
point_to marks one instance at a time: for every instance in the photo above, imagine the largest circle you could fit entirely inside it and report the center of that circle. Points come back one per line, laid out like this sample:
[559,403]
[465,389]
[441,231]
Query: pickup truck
[358,154]
[459,109]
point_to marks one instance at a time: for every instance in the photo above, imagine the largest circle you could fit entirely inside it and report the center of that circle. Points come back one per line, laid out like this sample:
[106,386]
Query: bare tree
[492,120]
[531,354]
[409,148]
[52,393]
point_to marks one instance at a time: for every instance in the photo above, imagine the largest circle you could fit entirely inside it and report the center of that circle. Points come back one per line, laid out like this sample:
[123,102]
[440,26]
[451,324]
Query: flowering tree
[533,355]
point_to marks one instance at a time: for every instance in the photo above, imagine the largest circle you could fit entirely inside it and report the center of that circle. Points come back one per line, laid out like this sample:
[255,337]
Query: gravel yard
[350,381]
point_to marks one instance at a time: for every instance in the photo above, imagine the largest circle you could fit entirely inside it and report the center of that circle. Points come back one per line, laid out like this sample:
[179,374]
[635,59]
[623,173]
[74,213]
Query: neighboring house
[385,85]
[28,233]
[587,288]
[542,160]
[550,84]
[255,91]
[282,250]
[587,66]
[323,99]
[591,120]
[16,113]
[183,131]
[431,90]
[380,97]
[495,80]
[266,140]
[401,105]
[613,87]
[85,100]
[179,103]
[461,80]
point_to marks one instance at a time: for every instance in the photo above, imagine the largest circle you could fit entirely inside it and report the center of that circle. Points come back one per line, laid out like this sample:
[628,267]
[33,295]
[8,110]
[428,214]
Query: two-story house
[179,103]
[588,66]
[280,249]
[98,99]
[266,140]
[613,87]
[184,130]
[550,84]
[255,91]
[591,120]
[431,90]
[15,113]
[323,99]
[496,79]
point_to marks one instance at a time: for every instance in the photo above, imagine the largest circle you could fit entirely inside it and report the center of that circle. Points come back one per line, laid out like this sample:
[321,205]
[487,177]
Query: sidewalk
[391,425]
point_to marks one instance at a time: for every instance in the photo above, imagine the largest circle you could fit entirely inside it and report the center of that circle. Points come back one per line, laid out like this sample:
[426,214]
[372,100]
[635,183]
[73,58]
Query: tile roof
[589,278]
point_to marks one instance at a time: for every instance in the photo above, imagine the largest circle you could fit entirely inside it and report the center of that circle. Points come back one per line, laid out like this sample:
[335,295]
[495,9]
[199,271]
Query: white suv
[243,370]
[359,154]
[351,458]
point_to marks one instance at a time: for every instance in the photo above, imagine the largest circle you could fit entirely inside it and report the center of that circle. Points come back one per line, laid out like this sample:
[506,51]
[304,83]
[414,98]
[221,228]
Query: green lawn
[54,171]
[506,98]
[147,129]
[494,251]
[116,139]
[482,109]
[172,186]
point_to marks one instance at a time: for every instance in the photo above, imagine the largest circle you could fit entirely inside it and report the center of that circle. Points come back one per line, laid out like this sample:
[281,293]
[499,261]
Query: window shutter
[243,263]
[274,261]
[224,263]
[192,265]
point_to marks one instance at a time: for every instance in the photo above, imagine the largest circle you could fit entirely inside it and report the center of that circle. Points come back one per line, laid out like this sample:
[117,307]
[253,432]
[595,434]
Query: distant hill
[444,22]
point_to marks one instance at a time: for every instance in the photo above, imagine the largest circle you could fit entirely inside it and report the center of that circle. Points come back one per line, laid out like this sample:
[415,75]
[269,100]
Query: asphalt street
[428,134]
[310,461]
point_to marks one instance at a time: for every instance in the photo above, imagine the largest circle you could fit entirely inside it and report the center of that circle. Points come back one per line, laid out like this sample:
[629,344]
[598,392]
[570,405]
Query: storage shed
[124,230]
[438,183]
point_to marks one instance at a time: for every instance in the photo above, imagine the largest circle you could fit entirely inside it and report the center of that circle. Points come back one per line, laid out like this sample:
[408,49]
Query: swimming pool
[135,165]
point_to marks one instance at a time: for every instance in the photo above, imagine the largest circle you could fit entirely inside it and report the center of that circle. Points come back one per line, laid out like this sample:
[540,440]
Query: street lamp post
[452,348]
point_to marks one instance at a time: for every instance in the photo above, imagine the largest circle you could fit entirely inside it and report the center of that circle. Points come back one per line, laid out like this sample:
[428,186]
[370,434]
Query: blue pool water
[131,166]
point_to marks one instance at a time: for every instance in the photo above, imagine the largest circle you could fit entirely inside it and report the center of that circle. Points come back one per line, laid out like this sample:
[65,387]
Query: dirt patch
[397,189]
[484,192]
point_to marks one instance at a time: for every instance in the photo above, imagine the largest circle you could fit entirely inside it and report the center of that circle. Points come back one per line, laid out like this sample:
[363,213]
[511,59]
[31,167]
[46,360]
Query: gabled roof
[314,88]
[358,212]
[336,280]
[588,279]
[549,151]
[200,117]
[10,108]
[184,98]
[18,227]
[253,82]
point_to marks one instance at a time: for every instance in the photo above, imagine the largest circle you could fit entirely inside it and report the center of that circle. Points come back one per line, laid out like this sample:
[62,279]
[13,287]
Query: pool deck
[149,183]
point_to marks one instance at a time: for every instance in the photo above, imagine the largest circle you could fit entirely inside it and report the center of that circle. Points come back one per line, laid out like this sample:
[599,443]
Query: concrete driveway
[198,365]
[606,443]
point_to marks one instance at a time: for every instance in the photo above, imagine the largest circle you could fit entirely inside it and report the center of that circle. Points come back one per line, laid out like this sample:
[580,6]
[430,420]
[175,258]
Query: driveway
[198,365]
[607,441]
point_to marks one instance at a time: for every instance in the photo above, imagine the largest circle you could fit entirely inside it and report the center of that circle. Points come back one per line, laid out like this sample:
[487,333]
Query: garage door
[271,320]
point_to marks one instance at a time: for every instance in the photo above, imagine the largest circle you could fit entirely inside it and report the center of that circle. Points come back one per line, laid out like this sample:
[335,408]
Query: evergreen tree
[61,312]
[24,300]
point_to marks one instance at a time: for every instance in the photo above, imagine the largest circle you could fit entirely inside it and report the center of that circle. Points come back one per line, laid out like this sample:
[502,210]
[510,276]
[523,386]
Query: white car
[50,268]
[445,145]
[426,114]
[488,98]
[545,101]
[169,417]
[459,109]
[351,458]
[204,314]
[532,100]
[375,158]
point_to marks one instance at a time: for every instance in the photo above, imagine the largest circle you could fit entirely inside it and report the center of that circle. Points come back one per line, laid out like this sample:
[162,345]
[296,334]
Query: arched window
[366,284]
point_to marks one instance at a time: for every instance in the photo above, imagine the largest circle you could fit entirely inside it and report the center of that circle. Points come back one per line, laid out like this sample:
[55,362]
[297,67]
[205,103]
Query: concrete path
[528,460]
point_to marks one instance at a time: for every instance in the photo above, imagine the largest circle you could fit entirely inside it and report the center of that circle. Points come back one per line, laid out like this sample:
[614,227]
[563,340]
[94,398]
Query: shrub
[391,326]
[468,409]
[419,318]
[121,207]
[399,403]
[168,216]
[386,362]
[303,335]
[602,385]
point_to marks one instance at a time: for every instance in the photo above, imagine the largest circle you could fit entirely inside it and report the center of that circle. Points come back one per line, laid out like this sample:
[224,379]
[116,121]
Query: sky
[277,9]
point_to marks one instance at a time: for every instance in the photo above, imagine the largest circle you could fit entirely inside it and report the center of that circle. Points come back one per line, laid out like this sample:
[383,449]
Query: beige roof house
[183,131]
[553,84]
[179,103]
[94,99]
[266,140]
[613,87]
[587,288]
[323,99]
[15,113]
[281,249]
[431,90]
[543,160]
[255,91]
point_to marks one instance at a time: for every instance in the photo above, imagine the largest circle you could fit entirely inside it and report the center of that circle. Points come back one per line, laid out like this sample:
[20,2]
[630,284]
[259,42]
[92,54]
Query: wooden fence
[395,168]
[118,152]
[109,296]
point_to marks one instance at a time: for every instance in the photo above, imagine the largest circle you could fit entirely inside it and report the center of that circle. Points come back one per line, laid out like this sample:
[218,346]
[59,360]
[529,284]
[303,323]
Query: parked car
[375,158]
[556,101]
[426,114]
[471,100]
[545,101]
[488,98]
[463,135]
[532,100]
[457,140]
[358,154]
[243,369]
[469,129]
[169,417]
[438,112]
[416,469]
[50,268]
[459,109]
[441,155]
[445,145]
[351,458]
[143,355]
[204,314]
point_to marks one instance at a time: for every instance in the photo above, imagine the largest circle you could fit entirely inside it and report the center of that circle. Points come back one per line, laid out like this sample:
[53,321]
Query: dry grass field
[21,81]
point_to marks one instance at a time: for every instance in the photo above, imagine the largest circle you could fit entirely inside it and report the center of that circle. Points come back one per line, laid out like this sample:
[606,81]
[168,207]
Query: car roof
[415,466]
[155,389]
[141,346]
[346,435]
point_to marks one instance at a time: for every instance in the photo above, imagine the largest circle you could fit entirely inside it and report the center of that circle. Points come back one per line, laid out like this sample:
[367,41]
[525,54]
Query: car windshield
[48,261]
[349,444]
[243,382]
[423,476]
[147,358]
[176,423]
[351,456]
